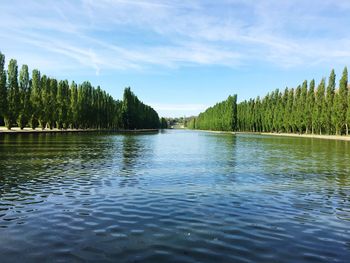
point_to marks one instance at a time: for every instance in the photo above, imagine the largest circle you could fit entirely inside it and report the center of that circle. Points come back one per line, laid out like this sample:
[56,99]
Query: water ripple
[173,197]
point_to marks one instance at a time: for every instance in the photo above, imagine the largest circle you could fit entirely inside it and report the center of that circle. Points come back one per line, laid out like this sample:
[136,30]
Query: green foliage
[137,115]
[341,103]
[3,88]
[47,102]
[24,94]
[329,103]
[220,117]
[35,99]
[300,110]
[13,96]
[163,123]
[318,114]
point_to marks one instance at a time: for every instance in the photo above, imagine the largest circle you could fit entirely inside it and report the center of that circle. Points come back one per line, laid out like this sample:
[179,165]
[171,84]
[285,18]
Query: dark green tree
[3,88]
[13,96]
[340,103]
[24,94]
[35,99]
[329,103]
[318,109]
[52,106]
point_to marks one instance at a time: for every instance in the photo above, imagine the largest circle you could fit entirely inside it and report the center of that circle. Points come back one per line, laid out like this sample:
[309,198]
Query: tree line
[304,109]
[221,117]
[42,101]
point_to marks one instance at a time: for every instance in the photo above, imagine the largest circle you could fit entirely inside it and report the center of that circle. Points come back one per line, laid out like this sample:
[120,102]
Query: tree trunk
[347,129]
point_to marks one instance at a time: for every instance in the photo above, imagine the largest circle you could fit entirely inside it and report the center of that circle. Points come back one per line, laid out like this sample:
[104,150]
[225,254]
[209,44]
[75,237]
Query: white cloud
[137,35]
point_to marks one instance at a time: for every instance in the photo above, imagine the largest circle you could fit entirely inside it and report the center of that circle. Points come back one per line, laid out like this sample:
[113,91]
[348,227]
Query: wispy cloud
[122,35]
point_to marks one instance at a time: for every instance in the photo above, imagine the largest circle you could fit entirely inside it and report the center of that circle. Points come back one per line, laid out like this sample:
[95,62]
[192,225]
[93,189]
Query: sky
[178,56]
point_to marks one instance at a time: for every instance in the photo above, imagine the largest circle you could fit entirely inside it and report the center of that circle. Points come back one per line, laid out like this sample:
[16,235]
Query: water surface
[175,196]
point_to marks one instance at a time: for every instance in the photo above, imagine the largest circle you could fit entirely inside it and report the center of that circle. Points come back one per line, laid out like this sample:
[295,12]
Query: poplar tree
[24,93]
[310,103]
[74,105]
[62,103]
[303,107]
[297,111]
[319,104]
[13,97]
[35,99]
[340,103]
[3,88]
[348,115]
[45,102]
[329,102]
[52,107]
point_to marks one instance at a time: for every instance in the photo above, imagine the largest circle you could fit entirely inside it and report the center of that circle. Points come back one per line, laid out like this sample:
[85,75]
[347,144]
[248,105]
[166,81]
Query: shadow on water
[133,152]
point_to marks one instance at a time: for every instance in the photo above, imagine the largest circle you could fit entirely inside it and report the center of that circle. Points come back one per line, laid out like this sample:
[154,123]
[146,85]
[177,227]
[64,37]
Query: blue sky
[179,56]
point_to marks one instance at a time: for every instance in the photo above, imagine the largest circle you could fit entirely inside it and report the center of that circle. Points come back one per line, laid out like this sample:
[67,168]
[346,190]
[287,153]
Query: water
[175,196]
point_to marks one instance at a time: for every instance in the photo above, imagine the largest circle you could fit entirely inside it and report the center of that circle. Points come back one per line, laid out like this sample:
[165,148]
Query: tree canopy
[49,103]
[304,109]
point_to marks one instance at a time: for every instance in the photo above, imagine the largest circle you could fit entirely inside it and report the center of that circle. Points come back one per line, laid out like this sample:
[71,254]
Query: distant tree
[163,123]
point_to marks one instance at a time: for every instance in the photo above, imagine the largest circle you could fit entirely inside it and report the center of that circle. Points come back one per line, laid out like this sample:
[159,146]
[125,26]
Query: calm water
[176,196]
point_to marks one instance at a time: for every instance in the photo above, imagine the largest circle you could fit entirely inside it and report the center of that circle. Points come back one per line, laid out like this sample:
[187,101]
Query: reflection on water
[174,196]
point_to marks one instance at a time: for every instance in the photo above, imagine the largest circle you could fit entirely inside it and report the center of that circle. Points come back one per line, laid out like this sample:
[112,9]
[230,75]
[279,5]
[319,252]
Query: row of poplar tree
[305,109]
[42,101]
[221,117]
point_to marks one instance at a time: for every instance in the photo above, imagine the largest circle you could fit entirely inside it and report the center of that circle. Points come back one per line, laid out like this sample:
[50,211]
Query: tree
[74,105]
[303,107]
[52,105]
[35,99]
[329,102]
[340,103]
[310,103]
[44,115]
[319,104]
[163,123]
[24,93]
[3,88]
[63,104]
[348,116]
[13,97]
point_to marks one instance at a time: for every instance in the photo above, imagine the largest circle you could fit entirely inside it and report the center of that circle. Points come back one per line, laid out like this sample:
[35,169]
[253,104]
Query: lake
[173,196]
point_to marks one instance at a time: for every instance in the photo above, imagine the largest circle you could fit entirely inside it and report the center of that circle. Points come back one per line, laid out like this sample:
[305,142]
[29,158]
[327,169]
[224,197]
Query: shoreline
[16,130]
[310,136]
